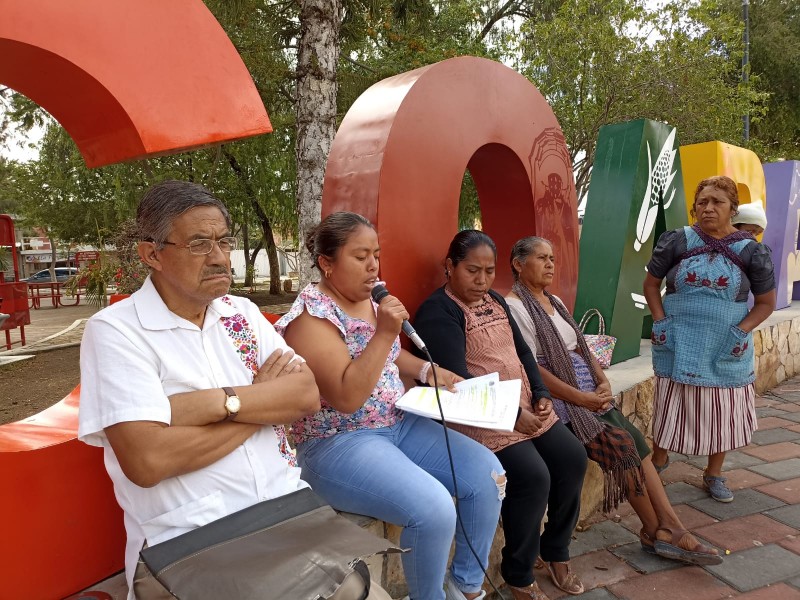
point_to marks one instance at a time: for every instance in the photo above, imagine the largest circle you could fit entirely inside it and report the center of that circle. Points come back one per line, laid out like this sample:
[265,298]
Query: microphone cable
[453,472]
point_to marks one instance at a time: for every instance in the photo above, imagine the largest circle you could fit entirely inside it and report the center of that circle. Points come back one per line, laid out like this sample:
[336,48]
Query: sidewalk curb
[32,347]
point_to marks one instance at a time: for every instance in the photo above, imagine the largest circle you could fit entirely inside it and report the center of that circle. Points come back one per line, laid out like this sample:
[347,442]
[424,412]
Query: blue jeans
[401,475]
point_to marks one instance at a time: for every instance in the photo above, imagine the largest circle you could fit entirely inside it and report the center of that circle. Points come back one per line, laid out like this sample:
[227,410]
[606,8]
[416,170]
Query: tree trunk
[317,58]
[53,257]
[266,226]
[250,264]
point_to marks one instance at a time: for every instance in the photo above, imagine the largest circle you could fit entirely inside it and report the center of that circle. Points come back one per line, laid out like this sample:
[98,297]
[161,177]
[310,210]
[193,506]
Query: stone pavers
[787,514]
[778,591]
[757,567]
[788,491]
[745,532]
[686,583]
[782,469]
[760,529]
[774,452]
[683,493]
[773,436]
[600,536]
[746,502]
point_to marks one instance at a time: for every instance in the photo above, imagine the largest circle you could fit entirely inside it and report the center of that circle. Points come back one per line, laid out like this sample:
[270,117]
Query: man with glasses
[185,387]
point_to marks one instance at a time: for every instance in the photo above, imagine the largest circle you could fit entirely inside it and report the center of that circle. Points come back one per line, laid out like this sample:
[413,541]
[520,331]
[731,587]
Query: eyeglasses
[203,247]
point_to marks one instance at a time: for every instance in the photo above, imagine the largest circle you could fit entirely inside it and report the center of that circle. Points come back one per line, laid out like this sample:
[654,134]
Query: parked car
[62,275]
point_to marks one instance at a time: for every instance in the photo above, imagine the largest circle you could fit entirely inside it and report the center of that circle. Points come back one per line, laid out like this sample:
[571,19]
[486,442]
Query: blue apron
[699,342]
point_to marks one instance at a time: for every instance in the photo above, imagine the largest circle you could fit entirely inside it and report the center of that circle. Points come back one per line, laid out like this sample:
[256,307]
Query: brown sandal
[529,592]
[699,555]
[647,542]
[570,584]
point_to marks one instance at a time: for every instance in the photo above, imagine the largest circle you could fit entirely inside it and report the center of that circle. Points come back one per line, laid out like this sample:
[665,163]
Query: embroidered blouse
[379,409]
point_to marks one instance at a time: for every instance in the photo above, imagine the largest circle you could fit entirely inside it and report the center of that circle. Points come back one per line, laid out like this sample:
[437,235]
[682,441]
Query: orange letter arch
[400,155]
[130,78]
[127,79]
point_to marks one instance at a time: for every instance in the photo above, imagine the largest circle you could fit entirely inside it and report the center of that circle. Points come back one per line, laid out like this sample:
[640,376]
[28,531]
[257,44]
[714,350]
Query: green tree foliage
[605,61]
[775,60]
[596,61]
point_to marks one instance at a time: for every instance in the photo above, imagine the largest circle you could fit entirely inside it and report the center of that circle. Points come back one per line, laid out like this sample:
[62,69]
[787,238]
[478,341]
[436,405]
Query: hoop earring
[327,274]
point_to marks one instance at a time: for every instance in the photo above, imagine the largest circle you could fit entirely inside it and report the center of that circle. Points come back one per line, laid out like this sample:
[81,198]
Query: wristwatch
[232,404]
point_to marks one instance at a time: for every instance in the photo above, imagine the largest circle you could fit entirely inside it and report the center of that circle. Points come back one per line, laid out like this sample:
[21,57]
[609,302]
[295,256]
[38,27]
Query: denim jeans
[401,475]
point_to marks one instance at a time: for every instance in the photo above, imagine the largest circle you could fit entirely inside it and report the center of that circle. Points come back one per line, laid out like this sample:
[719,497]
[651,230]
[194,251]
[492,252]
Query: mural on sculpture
[660,193]
[659,189]
[635,182]
[555,200]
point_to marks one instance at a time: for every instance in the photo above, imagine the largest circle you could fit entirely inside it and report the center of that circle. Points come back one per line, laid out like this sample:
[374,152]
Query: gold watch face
[232,405]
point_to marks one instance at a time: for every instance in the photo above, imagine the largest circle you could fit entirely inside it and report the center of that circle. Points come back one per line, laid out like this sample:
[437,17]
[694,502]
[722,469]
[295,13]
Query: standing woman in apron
[702,332]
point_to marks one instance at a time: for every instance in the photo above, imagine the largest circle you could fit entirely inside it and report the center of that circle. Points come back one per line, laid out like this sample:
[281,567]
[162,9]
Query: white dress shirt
[134,355]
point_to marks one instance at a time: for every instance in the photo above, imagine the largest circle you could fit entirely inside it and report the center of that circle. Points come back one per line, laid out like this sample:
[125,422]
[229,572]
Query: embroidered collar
[156,316]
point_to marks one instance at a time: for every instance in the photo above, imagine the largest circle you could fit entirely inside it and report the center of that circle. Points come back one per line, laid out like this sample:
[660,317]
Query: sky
[18,147]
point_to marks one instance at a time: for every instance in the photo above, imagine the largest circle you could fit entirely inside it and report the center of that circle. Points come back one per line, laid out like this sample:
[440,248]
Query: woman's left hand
[542,408]
[603,390]
[445,378]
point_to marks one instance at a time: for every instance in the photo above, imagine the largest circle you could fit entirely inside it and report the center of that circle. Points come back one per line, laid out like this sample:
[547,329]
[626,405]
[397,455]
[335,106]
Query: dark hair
[466,240]
[523,249]
[722,183]
[165,201]
[332,233]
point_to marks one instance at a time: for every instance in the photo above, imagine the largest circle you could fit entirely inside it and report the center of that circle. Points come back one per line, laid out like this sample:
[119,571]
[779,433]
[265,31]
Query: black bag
[292,547]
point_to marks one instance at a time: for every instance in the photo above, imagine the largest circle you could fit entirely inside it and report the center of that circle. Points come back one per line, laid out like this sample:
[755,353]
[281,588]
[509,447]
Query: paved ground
[760,528]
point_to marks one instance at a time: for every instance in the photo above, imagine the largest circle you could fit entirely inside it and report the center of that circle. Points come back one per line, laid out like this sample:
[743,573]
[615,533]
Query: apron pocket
[662,334]
[737,345]
[736,356]
[662,339]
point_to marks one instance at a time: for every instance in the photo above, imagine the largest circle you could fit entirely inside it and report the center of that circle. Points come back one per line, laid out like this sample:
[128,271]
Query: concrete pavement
[760,529]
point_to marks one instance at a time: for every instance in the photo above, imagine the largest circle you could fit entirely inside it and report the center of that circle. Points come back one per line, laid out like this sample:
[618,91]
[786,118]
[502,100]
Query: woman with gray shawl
[582,399]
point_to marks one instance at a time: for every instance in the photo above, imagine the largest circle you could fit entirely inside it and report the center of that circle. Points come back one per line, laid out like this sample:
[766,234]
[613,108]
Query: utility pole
[746,62]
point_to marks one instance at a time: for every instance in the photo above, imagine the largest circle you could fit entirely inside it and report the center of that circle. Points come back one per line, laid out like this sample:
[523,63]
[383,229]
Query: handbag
[294,546]
[600,344]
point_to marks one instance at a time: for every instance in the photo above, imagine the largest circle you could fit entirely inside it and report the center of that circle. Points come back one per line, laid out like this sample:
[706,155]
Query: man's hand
[277,364]
[528,423]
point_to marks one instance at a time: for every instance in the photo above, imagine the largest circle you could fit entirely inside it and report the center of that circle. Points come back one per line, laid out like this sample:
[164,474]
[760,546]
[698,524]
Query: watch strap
[229,391]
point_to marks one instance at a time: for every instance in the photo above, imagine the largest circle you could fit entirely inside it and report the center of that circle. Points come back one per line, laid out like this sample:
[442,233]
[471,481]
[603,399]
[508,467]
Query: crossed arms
[148,452]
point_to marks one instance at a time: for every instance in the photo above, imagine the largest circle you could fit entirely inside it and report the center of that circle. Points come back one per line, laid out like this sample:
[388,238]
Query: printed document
[481,402]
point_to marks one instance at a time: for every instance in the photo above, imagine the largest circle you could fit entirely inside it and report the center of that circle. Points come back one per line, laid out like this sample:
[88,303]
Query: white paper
[482,402]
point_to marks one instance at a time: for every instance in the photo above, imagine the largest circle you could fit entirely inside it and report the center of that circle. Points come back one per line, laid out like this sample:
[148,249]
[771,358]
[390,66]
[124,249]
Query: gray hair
[523,249]
[166,201]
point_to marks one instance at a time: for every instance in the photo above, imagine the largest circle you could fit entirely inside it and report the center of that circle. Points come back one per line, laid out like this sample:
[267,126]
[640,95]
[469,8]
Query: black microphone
[379,292]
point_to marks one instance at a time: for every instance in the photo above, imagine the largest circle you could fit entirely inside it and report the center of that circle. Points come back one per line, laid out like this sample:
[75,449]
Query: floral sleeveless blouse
[379,409]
